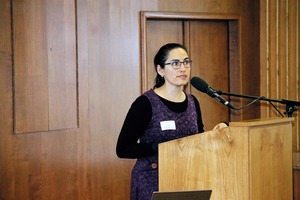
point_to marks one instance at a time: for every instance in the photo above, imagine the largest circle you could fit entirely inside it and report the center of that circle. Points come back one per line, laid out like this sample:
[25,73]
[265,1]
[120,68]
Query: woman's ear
[160,70]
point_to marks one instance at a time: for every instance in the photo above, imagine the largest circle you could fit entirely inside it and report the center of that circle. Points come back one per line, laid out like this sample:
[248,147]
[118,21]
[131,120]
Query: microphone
[202,86]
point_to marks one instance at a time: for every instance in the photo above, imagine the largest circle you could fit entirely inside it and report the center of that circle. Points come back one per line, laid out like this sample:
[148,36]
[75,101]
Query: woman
[161,114]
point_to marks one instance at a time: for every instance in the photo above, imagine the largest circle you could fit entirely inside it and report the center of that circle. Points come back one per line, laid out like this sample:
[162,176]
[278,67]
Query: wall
[81,163]
[279,60]
[115,64]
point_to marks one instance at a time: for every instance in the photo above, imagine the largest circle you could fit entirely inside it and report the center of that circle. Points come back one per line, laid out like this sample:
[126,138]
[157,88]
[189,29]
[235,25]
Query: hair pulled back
[160,59]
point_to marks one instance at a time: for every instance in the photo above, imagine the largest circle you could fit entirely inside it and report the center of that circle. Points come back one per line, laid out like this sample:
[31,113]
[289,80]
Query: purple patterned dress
[144,180]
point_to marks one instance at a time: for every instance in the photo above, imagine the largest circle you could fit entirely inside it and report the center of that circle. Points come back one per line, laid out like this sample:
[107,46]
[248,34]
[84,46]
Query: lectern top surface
[180,195]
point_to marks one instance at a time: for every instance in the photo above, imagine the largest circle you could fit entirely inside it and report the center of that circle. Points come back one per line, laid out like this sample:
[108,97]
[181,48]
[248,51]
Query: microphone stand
[290,105]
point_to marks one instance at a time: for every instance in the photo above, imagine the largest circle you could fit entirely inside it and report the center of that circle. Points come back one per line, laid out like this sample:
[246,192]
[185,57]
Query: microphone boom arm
[290,105]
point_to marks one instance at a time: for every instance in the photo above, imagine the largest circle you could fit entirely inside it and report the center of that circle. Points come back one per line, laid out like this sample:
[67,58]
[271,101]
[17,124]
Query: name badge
[168,125]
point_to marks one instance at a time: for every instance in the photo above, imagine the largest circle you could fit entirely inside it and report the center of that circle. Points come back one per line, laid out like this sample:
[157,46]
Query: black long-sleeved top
[136,122]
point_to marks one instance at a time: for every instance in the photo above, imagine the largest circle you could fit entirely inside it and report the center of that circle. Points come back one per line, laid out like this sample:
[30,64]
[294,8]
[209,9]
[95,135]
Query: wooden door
[207,41]
[208,44]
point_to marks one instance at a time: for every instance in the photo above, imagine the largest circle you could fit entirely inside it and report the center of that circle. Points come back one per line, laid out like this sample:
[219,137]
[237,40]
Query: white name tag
[168,125]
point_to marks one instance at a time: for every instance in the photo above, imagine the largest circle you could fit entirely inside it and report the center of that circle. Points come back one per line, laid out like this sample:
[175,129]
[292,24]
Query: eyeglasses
[177,64]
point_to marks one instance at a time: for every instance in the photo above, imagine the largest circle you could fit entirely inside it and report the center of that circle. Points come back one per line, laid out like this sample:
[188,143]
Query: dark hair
[160,59]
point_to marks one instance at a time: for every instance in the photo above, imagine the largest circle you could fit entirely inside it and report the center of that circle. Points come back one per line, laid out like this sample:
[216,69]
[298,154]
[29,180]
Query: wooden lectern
[249,160]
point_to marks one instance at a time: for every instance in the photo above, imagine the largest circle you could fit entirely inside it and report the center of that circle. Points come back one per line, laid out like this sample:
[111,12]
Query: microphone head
[199,84]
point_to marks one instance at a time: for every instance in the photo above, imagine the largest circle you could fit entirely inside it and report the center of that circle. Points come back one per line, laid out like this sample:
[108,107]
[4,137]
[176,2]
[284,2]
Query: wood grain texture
[40,165]
[242,161]
[45,65]
[209,51]
[30,67]
[296,182]
[81,163]
[279,55]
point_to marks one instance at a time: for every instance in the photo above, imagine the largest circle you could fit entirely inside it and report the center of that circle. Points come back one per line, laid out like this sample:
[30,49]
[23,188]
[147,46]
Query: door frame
[233,42]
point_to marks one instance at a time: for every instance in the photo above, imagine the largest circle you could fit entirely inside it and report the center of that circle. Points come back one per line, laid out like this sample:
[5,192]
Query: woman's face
[176,77]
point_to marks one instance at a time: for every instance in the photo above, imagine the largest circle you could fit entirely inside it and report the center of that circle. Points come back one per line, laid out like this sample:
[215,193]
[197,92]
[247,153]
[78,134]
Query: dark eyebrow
[174,60]
[179,60]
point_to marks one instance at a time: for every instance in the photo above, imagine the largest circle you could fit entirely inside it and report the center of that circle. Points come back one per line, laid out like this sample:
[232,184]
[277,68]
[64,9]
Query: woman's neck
[172,94]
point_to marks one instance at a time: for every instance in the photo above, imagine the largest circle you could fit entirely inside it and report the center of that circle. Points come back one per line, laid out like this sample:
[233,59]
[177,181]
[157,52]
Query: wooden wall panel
[30,67]
[62,64]
[7,183]
[81,163]
[45,65]
[114,82]
[296,182]
[153,43]
[209,51]
[41,165]
[280,57]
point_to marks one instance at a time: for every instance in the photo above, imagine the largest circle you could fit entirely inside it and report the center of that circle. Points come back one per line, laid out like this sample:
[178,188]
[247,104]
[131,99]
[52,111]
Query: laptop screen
[183,195]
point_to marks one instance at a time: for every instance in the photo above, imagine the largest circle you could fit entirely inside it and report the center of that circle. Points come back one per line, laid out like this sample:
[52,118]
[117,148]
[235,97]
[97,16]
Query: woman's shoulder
[141,99]
[141,102]
[192,96]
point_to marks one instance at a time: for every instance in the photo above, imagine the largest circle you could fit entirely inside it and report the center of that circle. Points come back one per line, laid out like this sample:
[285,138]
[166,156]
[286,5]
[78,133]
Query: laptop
[183,195]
